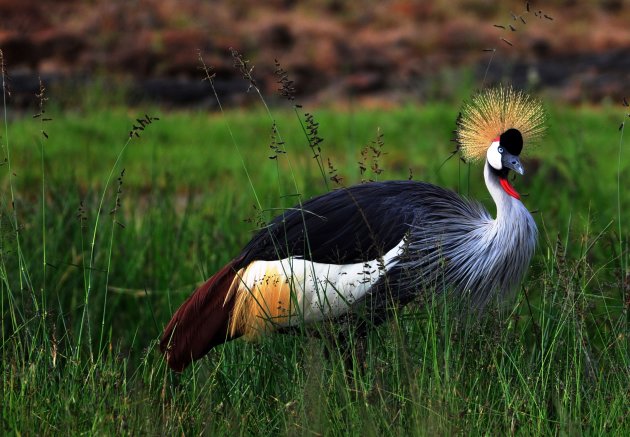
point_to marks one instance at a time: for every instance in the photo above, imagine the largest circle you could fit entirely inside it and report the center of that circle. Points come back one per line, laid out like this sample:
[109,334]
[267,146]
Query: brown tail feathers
[202,321]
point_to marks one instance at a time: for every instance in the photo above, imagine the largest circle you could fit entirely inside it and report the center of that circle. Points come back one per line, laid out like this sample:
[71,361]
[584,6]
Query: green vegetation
[85,293]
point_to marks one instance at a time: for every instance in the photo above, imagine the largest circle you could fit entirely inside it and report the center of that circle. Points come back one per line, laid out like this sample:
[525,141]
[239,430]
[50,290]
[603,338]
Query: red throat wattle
[509,188]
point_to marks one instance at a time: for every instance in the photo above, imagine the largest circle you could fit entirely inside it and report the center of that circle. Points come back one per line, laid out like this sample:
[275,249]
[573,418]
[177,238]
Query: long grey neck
[508,208]
[510,240]
[514,227]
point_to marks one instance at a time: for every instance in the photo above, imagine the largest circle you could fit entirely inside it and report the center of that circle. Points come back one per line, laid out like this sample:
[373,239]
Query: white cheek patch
[494,157]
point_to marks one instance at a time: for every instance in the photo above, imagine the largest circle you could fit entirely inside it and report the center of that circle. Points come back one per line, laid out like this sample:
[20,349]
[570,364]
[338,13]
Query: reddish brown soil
[391,50]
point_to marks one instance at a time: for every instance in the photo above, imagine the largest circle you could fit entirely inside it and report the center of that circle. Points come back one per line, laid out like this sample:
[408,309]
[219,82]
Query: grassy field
[93,261]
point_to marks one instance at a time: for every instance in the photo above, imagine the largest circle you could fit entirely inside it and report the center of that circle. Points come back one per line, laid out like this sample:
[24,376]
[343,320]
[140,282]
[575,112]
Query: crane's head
[495,124]
[503,156]
[504,151]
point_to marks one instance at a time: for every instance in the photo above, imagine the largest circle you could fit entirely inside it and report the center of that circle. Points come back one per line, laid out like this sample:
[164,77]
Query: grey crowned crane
[375,245]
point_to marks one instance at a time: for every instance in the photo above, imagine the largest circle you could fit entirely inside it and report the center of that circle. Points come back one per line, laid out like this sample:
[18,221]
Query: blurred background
[376,52]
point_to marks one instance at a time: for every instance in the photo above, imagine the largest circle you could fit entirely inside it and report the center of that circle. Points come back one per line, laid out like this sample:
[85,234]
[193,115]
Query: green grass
[82,359]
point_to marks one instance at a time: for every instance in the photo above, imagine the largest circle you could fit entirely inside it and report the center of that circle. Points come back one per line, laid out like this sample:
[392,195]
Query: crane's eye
[500,149]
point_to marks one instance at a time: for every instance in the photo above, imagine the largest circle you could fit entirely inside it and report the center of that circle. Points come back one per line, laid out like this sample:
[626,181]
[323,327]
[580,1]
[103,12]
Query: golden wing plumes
[493,111]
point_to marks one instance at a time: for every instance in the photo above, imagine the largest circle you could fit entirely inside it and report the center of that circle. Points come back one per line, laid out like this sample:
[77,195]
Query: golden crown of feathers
[493,111]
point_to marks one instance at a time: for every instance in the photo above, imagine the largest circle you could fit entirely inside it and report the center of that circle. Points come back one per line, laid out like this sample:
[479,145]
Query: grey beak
[512,162]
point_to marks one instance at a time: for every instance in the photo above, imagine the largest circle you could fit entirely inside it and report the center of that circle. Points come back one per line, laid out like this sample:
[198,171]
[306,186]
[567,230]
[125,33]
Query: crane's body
[370,247]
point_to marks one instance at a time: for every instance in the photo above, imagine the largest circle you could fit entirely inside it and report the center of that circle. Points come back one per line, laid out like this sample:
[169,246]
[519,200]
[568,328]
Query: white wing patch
[294,290]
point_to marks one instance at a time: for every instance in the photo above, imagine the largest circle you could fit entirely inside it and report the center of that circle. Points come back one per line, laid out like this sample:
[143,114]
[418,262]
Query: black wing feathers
[345,226]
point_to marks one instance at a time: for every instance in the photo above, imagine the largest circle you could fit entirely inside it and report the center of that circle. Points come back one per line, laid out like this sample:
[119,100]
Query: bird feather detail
[493,111]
